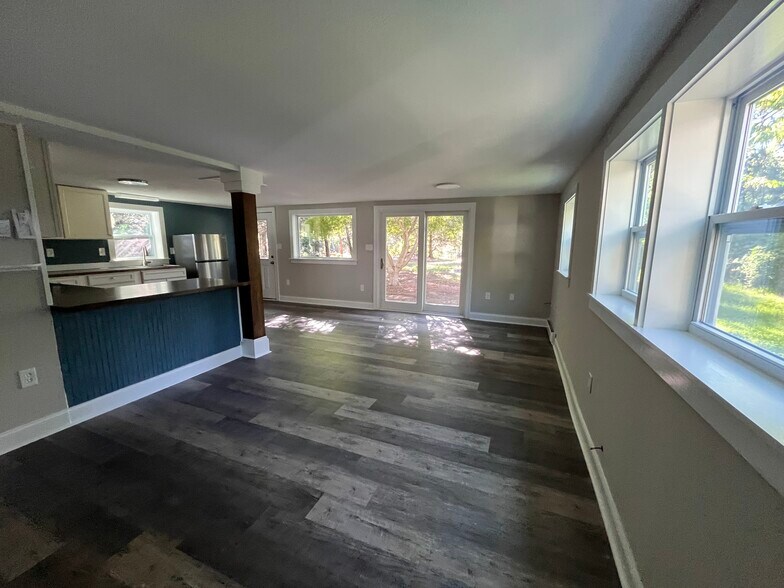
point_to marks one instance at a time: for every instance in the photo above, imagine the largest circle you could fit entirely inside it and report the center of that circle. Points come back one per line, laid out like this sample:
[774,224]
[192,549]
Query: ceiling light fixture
[448,186]
[133,182]
[136,197]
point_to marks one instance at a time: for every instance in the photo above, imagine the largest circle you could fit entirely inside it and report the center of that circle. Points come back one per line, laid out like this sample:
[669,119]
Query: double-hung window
[323,235]
[743,299]
[567,231]
[137,231]
[638,229]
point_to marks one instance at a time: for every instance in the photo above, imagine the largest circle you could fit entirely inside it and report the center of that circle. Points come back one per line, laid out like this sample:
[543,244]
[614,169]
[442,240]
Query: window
[263,230]
[638,229]
[744,301]
[567,229]
[136,229]
[327,235]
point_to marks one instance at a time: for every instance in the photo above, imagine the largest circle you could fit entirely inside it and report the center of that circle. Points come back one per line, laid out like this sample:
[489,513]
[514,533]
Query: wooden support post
[246,239]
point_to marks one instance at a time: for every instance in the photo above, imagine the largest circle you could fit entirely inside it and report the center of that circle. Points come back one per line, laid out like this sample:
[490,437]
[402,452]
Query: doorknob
[272,263]
[382,263]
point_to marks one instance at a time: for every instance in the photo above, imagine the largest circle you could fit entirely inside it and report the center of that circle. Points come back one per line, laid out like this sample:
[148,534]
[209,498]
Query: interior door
[268,252]
[423,258]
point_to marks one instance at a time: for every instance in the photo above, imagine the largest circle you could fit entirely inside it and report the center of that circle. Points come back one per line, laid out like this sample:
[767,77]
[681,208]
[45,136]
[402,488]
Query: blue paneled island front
[114,338]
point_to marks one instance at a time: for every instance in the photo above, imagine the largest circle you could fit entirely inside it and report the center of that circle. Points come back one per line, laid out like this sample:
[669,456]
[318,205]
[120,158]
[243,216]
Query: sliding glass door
[423,261]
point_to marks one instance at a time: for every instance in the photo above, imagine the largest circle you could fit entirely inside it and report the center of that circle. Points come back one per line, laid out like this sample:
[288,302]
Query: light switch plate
[369,247]
[487,295]
[49,252]
[511,296]
[280,246]
[362,287]
[28,377]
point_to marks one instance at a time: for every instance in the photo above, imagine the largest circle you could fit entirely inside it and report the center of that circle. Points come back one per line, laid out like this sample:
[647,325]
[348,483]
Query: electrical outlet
[590,383]
[511,296]
[362,287]
[487,295]
[49,252]
[288,282]
[280,246]
[28,377]
[102,251]
[171,250]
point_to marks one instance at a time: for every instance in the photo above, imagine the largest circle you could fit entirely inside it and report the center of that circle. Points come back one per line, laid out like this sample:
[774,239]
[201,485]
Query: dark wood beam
[246,239]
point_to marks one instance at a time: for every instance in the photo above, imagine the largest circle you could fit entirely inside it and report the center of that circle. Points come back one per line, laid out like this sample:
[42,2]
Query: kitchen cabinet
[163,275]
[127,277]
[69,280]
[85,213]
[114,279]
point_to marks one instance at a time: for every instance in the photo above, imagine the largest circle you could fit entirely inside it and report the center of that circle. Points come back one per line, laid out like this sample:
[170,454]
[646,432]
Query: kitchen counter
[73,298]
[53,273]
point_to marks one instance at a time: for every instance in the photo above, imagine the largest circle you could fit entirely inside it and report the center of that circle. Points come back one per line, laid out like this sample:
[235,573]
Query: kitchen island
[129,341]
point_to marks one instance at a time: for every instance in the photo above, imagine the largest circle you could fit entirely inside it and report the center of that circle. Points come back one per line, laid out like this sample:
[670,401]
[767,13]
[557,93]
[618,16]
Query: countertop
[54,273]
[65,297]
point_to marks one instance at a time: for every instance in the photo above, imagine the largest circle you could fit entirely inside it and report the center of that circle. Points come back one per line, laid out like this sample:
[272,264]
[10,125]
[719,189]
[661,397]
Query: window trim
[296,213]
[568,269]
[740,114]
[635,228]
[162,232]
[729,162]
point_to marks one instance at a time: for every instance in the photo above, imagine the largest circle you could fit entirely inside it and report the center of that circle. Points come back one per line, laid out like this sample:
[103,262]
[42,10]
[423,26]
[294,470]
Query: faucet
[144,257]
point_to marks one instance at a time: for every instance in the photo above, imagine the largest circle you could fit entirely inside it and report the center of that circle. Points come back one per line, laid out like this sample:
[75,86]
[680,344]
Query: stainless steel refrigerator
[203,255]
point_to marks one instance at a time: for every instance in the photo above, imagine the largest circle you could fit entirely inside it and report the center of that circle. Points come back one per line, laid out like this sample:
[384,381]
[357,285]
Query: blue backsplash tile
[67,251]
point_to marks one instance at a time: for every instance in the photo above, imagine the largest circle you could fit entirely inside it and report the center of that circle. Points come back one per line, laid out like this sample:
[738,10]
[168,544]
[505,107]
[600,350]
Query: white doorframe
[469,208]
[273,244]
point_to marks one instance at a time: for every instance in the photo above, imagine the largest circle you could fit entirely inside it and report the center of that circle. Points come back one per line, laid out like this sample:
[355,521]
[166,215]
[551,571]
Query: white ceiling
[344,100]
[173,179]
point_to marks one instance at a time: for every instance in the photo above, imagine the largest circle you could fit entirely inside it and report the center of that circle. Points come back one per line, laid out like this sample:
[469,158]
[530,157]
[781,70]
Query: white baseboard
[63,419]
[327,302]
[37,429]
[619,542]
[507,319]
[255,348]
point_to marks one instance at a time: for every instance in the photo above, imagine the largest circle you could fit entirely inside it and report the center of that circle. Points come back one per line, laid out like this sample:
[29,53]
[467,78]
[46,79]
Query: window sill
[324,261]
[562,274]
[621,307]
[744,405]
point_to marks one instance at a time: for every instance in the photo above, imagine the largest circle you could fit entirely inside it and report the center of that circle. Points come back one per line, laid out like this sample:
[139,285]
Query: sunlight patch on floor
[302,324]
[404,332]
[450,334]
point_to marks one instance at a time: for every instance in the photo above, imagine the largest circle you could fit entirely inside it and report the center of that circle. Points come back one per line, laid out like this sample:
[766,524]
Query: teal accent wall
[181,219]
[76,251]
[105,349]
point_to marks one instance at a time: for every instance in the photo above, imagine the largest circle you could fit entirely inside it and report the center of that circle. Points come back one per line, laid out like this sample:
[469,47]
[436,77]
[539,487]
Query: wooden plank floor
[369,449]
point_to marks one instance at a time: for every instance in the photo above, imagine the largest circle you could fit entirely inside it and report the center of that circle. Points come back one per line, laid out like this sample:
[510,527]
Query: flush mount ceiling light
[448,186]
[133,182]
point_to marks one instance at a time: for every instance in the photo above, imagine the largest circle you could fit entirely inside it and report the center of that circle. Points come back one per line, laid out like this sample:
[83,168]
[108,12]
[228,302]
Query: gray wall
[696,513]
[27,336]
[514,252]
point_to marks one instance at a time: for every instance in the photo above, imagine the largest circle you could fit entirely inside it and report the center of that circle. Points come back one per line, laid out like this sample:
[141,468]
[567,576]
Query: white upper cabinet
[85,213]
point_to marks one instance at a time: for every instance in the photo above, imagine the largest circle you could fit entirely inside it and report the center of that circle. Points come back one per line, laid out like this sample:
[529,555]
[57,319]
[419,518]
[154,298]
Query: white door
[423,260]
[268,251]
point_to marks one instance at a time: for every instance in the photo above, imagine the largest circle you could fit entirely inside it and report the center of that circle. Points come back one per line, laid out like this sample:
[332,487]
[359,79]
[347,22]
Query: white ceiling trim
[19,113]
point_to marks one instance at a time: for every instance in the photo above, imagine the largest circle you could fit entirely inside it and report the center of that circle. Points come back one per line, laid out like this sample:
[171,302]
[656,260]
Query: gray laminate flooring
[369,449]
